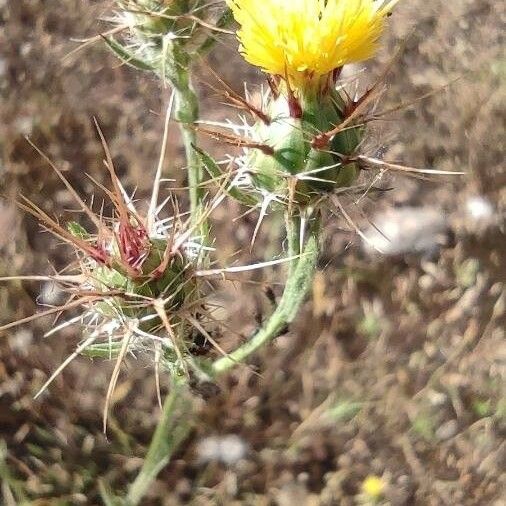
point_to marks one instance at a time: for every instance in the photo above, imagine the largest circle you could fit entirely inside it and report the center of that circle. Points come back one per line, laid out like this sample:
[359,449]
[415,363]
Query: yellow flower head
[303,40]
[373,487]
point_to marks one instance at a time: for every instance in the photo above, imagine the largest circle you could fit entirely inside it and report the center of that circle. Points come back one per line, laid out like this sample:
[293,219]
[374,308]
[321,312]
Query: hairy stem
[176,70]
[176,420]
[296,288]
[173,427]
[292,225]
[195,173]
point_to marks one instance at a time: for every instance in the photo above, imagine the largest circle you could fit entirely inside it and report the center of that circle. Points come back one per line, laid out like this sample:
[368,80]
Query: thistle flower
[305,141]
[138,283]
[304,41]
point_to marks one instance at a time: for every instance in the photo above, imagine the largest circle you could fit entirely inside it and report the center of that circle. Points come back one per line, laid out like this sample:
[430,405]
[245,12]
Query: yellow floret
[373,487]
[303,40]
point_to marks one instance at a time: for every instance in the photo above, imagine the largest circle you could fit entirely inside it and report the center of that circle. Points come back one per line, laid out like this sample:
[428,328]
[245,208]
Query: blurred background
[389,386]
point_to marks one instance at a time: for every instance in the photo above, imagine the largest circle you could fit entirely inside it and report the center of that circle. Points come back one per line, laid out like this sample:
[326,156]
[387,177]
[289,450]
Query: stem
[296,288]
[195,172]
[176,420]
[176,69]
[292,224]
[173,427]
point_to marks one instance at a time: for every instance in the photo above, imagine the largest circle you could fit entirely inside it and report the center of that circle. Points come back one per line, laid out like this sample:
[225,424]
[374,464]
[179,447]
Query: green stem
[176,69]
[296,288]
[292,224]
[195,173]
[173,427]
[176,420]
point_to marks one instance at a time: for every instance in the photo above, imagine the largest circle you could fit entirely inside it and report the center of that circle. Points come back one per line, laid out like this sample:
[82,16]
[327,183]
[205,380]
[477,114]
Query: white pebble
[398,231]
[228,449]
[479,208]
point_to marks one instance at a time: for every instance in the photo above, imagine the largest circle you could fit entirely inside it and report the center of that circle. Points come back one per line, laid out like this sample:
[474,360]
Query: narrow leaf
[126,56]
[215,172]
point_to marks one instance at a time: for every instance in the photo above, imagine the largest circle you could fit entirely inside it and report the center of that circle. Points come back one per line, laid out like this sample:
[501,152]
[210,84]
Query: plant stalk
[173,427]
[176,420]
[296,287]
[176,70]
[195,173]
[292,225]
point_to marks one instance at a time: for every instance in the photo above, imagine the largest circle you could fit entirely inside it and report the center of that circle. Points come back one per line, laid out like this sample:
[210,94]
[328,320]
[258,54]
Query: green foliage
[370,326]
[482,408]
[77,230]
[424,426]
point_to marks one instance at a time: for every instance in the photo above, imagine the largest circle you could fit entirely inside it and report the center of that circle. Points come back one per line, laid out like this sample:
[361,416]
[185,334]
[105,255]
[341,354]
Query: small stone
[437,398]
[447,430]
[24,125]
[228,449]
[479,208]
[404,230]
[21,340]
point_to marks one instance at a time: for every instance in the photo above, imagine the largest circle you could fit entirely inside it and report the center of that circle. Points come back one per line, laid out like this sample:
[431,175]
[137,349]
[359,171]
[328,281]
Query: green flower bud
[159,17]
[294,160]
[156,23]
[175,283]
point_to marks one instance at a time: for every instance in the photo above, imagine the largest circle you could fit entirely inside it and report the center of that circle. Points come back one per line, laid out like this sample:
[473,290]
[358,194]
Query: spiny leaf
[225,20]
[126,56]
[102,350]
[215,172]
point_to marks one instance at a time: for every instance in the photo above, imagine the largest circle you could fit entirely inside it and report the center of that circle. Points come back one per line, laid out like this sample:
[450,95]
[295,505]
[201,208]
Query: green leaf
[126,56]
[77,230]
[344,410]
[102,350]
[107,496]
[215,172]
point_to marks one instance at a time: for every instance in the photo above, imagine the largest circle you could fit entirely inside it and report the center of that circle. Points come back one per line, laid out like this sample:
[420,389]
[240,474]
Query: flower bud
[296,158]
[154,278]
[154,24]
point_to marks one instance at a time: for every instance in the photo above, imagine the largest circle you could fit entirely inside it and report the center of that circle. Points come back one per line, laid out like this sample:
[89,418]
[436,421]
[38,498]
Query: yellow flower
[373,487]
[304,40]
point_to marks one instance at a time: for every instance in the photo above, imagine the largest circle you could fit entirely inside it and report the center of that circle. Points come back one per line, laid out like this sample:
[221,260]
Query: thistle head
[136,281]
[298,169]
[136,273]
[309,144]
